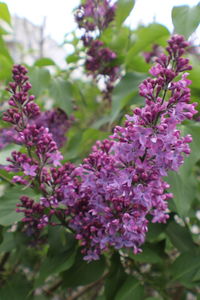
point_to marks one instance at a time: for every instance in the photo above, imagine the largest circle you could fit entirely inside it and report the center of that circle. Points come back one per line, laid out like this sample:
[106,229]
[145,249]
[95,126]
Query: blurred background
[40,27]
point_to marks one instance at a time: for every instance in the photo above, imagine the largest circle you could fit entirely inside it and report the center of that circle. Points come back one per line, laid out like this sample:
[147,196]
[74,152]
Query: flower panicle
[109,200]
[122,179]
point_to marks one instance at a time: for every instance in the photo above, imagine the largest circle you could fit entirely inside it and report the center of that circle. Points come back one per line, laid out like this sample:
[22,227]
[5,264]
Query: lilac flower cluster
[94,15]
[23,107]
[99,64]
[42,150]
[7,136]
[101,61]
[109,199]
[122,179]
[56,120]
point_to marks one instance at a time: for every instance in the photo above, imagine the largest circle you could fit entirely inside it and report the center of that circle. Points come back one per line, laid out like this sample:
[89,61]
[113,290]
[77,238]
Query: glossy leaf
[4,13]
[185,267]
[124,8]
[16,288]
[145,37]
[124,91]
[8,201]
[43,62]
[40,80]
[57,263]
[82,272]
[149,254]
[131,289]
[115,278]
[186,19]
[61,92]
[180,237]
[182,184]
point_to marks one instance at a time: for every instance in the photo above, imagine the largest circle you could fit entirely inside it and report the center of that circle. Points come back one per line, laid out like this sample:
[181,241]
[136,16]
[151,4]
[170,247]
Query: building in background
[28,42]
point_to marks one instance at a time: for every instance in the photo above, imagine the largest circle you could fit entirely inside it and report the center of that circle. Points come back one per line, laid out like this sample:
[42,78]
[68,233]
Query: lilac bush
[108,200]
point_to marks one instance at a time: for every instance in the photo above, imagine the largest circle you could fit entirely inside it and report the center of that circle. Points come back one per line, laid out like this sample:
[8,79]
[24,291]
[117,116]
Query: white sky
[60,20]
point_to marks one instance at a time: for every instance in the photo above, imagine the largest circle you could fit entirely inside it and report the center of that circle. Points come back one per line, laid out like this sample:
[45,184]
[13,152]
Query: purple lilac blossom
[55,120]
[95,15]
[42,151]
[100,64]
[122,179]
[8,136]
[109,199]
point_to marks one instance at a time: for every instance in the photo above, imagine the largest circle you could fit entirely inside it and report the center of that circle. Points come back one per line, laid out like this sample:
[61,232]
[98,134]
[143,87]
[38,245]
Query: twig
[51,289]
[4,260]
[83,290]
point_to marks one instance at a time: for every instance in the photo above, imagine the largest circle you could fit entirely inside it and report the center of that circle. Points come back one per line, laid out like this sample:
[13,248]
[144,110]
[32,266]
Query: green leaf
[61,92]
[131,289]
[81,142]
[8,201]
[43,62]
[194,74]
[183,193]
[124,8]
[16,288]
[72,58]
[60,262]
[40,80]
[124,91]
[186,19]
[155,231]
[89,137]
[153,298]
[192,128]
[185,267]
[183,183]
[137,64]
[145,37]
[82,272]
[115,278]
[149,254]
[118,40]
[3,31]
[4,13]
[8,242]
[180,237]
[197,276]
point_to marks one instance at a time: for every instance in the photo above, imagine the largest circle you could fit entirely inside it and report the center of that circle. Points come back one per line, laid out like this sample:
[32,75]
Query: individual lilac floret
[122,179]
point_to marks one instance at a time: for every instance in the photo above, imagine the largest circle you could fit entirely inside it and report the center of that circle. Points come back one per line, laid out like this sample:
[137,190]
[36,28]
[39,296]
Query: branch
[83,290]
[4,260]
